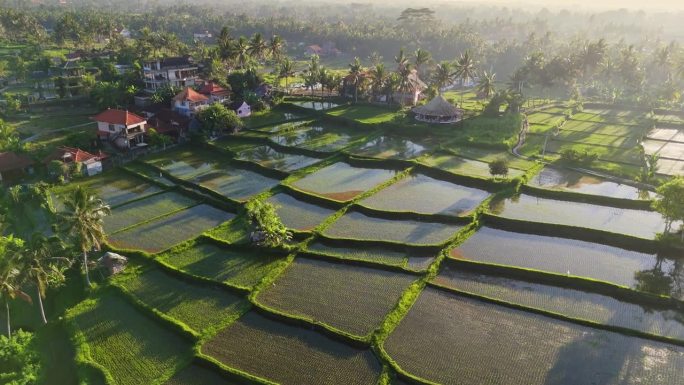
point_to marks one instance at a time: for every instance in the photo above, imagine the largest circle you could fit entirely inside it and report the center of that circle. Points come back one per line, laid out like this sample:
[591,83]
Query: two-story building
[215,92]
[122,128]
[188,102]
[169,72]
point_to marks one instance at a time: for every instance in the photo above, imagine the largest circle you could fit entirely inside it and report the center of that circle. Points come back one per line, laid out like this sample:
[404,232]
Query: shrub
[499,167]
[576,157]
[19,361]
[269,229]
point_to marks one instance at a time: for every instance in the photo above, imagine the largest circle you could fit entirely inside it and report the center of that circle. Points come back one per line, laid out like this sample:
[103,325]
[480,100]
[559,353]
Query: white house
[242,110]
[124,129]
[188,102]
[169,72]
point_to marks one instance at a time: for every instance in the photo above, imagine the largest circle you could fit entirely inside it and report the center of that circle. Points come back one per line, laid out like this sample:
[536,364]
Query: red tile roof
[191,95]
[77,155]
[118,117]
[211,88]
[10,161]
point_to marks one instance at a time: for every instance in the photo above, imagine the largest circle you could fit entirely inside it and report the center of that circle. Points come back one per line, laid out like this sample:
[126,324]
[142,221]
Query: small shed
[242,109]
[113,263]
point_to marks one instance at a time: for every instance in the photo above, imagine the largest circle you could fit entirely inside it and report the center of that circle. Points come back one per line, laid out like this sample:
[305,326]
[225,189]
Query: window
[112,128]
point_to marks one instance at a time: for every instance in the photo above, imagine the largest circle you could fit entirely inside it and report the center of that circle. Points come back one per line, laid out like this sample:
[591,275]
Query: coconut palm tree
[355,76]
[258,47]
[443,75]
[401,59]
[378,76]
[420,57]
[43,266]
[276,47]
[82,220]
[392,84]
[225,42]
[465,68]
[10,274]
[286,70]
[240,52]
[485,86]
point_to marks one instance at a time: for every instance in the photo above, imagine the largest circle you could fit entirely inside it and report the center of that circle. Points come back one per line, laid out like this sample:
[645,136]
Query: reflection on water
[554,178]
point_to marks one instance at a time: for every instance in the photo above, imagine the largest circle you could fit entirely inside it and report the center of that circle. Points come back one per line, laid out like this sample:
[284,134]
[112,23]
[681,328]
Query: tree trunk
[356,93]
[85,267]
[9,329]
[40,304]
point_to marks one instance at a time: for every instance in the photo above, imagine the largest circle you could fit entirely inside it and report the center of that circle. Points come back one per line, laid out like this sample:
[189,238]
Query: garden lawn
[353,299]
[133,348]
[425,195]
[449,339]
[240,268]
[291,355]
[354,225]
[145,209]
[197,305]
[163,233]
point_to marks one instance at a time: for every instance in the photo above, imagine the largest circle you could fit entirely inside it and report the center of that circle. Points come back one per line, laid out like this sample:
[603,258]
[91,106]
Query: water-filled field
[297,214]
[271,158]
[568,302]
[410,259]
[560,256]
[341,181]
[615,220]
[165,232]
[425,195]
[318,136]
[392,147]
[353,299]
[453,340]
[313,105]
[115,188]
[145,209]
[563,179]
[354,225]
[236,267]
[289,354]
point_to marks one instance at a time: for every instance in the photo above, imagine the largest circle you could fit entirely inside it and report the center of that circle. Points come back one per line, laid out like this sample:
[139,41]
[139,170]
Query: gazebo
[438,110]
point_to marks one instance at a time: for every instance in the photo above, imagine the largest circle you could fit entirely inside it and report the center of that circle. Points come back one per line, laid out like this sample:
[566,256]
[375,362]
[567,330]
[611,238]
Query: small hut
[438,110]
[113,263]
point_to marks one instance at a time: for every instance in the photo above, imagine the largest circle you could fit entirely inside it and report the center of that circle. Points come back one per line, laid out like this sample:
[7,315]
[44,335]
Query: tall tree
[378,76]
[465,67]
[44,266]
[276,48]
[10,274]
[420,58]
[443,75]
[485,86]
[82,220]
[258,47]
[401,59]
[286,70]
[355,76]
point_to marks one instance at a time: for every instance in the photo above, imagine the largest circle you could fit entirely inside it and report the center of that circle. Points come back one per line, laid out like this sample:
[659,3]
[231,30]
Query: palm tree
[485,86]
[82,220]
[310,80]
[443,75]
[225,41]
[401,60]
[276,47]
[355,70]
[465,68]
[43,266]
[241,51]
[378,76]
[420,57]
[286,70]
[10,274]
[392,84]
[258,46]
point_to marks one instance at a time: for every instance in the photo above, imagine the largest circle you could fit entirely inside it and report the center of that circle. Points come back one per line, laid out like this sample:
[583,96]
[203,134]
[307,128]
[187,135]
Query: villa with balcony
[123,129]
[177,72]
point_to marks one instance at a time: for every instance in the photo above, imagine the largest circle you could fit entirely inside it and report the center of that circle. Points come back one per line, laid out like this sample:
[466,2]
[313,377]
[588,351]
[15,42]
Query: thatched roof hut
[438,110]
[113,263]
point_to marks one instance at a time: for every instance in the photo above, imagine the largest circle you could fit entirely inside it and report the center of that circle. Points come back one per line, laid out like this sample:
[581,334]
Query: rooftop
[113,116]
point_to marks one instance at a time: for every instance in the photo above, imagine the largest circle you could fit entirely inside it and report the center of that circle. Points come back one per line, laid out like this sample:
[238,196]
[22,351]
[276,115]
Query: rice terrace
[308,212]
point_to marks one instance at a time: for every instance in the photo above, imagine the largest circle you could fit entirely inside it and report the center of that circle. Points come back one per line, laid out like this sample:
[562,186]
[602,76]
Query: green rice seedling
[407,258]
[236,267]
[289,354]
[197,375]
[198,306]
[311,289]
[132,347]
[449,339]
[145,209]
[163,233]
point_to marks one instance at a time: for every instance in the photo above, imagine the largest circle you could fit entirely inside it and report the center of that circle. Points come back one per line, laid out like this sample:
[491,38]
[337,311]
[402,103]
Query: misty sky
[662,5]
